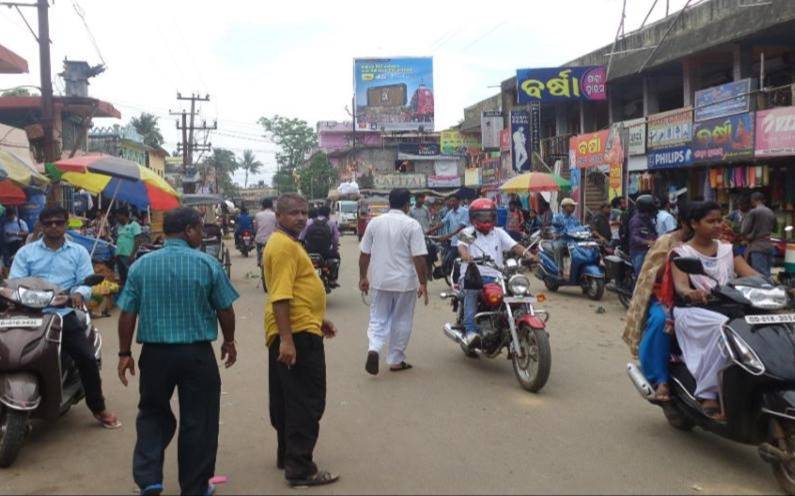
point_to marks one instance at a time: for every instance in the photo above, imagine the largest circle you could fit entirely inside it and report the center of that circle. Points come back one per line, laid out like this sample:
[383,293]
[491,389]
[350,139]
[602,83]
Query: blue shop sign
[670,158]
[724,100]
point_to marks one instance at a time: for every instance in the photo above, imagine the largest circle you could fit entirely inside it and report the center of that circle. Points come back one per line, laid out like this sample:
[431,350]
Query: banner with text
[458,143]
[561,84]
[392,181]
[588,150]
[775,132]
[729,138]
[490,127]
[724,100]
[670,129]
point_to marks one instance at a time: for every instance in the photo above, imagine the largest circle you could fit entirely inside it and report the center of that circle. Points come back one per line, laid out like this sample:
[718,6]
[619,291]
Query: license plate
[17,323]
[787,318]
[520,299]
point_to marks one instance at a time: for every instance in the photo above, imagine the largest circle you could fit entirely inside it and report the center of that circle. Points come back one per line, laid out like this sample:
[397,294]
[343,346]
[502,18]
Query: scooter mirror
[689,265]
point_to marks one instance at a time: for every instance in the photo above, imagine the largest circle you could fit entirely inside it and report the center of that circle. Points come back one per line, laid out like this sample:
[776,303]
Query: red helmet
[483,215]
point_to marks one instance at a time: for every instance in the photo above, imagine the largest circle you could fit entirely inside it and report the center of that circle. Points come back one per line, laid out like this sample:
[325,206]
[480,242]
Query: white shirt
[493,244]
[393,240]
[265,220]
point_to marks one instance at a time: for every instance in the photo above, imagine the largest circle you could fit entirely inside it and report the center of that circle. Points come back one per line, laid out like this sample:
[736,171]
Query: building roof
[77,105]
[11,63]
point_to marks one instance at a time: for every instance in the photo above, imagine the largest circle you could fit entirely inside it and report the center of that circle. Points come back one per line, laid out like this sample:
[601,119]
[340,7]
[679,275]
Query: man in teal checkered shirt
[178,295]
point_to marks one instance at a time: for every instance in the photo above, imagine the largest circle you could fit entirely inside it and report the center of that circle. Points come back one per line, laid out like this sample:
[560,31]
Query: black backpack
[318,237]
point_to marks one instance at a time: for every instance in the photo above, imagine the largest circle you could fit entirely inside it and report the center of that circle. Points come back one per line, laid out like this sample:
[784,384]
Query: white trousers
[391,319]
[698,332]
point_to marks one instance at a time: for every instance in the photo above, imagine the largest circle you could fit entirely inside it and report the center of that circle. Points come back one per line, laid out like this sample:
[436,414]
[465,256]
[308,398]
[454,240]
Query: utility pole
[188,126]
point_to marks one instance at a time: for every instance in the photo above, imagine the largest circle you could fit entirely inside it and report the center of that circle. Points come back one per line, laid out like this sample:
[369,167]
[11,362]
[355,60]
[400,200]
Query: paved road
[451,425]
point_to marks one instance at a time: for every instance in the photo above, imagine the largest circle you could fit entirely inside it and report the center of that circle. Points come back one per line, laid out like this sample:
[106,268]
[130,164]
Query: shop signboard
[457,143]
[775,132]
[561,84]
[637,136]
[444,181]
[394,94]
[535,129]
[520,134]
[588,150]
[670,129]
[724,100]
[472,177]
[670,158]
[727,138]
[489,171]
[490,128]
[392,181]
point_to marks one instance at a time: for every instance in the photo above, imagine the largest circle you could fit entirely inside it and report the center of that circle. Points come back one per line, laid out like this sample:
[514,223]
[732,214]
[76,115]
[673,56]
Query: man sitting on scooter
[244,223]
[483,239]
[66,264]
[564,222]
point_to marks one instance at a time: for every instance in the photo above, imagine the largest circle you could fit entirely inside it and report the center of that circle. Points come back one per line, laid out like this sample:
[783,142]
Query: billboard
[670,158]
[394,94]
[669,129]
[561,84]
[775,132]
[727,138]
[392,181]
[724,100]
[490,128]
[520,136]
[637,136]
[457,143]
[588,150]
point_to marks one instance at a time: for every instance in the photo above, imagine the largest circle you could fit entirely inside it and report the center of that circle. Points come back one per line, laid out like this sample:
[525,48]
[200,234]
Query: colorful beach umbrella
[535,182]
[118,179]
[15,175]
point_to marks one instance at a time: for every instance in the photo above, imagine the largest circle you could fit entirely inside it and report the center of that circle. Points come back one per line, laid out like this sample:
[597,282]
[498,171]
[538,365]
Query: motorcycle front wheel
[784,472]
[595,288]
[13,427]
[532,365]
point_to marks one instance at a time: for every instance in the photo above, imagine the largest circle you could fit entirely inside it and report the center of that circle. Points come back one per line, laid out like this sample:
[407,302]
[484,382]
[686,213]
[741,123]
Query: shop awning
[11,63]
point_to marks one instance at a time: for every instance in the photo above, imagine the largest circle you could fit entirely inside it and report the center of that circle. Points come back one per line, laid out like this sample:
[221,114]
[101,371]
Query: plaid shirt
[176,292]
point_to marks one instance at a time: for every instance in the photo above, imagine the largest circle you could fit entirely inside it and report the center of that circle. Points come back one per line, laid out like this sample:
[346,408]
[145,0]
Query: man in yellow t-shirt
[294,328]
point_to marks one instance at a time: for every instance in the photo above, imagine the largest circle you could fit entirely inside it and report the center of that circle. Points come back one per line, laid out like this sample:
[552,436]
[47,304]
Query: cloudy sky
[294,58]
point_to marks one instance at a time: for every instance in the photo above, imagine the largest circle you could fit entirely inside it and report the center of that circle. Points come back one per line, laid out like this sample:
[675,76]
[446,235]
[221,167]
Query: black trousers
[123,268]
[297,402]
[75,343]
[193,370]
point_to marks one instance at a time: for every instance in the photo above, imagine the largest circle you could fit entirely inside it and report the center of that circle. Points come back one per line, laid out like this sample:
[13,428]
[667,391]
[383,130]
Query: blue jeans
[761,262]
[655,346]
[637,262]
[471,305]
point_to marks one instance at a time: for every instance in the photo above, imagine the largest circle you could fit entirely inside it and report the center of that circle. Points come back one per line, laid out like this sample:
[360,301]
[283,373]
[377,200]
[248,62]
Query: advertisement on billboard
[392,181]
[726,138]
[724,100]
[669,129]
[588,150]
[775,132]
[457,143]
[490,127]
[394,94]
[670,158]
[561,84]
[520,134]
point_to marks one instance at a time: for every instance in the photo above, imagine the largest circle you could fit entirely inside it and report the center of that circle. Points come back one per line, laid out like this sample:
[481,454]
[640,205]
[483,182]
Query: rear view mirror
[93,280]
[689,265]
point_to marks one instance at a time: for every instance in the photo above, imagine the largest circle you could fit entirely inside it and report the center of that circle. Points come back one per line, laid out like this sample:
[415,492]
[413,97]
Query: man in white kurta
[392,270]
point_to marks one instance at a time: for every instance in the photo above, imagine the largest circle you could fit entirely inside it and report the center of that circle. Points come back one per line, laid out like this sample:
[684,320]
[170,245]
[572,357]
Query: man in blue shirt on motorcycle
[564,222]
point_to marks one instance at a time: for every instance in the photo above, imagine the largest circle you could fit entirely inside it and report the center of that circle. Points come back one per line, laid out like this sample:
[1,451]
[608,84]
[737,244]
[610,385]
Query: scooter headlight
[519,285]
[32,298]
[743,354]
[765,299]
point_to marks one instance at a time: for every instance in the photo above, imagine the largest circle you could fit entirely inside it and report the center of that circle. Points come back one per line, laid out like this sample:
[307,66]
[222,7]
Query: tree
[317,176]
[223,163]
[18,92]
[295,140]
[250,165]
[146,125]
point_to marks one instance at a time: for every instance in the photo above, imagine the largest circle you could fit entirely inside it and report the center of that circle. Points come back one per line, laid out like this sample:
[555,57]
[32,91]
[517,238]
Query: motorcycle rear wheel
[552,286]
[13,428]
[785,472]
[532,370]
[595,289]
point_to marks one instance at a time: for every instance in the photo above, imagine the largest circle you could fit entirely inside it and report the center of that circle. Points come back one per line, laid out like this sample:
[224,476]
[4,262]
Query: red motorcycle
[245,243]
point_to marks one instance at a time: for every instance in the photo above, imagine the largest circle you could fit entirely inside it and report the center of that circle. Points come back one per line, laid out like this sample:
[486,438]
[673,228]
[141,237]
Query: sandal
[321,478]
[108,421]
[400,367]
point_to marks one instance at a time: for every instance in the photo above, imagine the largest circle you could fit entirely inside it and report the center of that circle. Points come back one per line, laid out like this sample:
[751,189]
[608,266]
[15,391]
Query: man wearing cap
[563,222]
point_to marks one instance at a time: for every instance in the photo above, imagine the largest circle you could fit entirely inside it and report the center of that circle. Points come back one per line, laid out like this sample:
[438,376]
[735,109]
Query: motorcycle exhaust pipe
[454,334]
[639,381]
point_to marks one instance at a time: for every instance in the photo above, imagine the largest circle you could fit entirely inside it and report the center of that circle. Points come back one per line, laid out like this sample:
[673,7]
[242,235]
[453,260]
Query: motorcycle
[245,243]
[620,273]
[324,269]
[757,388]
[507,319]
[36,380]
[583,269]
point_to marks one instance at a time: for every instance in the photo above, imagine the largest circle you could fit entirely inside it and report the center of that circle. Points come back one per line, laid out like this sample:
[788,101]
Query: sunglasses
[56,223]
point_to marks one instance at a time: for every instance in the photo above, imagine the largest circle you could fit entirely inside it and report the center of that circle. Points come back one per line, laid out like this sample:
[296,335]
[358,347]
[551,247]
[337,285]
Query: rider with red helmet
[482,239]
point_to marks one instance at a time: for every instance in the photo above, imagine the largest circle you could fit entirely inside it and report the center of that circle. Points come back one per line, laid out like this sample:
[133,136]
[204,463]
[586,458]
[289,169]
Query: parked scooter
[620,274]
[36,381]
[582,264]
[757,388]
[507,319]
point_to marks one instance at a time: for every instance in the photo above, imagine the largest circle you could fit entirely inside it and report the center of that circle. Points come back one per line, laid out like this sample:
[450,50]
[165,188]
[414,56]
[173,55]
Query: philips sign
[670,158]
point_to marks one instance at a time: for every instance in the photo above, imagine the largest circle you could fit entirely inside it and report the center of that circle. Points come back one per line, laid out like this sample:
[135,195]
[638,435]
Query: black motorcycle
[620,275]
[757,386]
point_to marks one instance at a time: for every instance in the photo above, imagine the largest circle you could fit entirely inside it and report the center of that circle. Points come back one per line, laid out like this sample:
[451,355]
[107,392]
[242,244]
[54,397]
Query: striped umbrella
[535,182]
[118,179]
